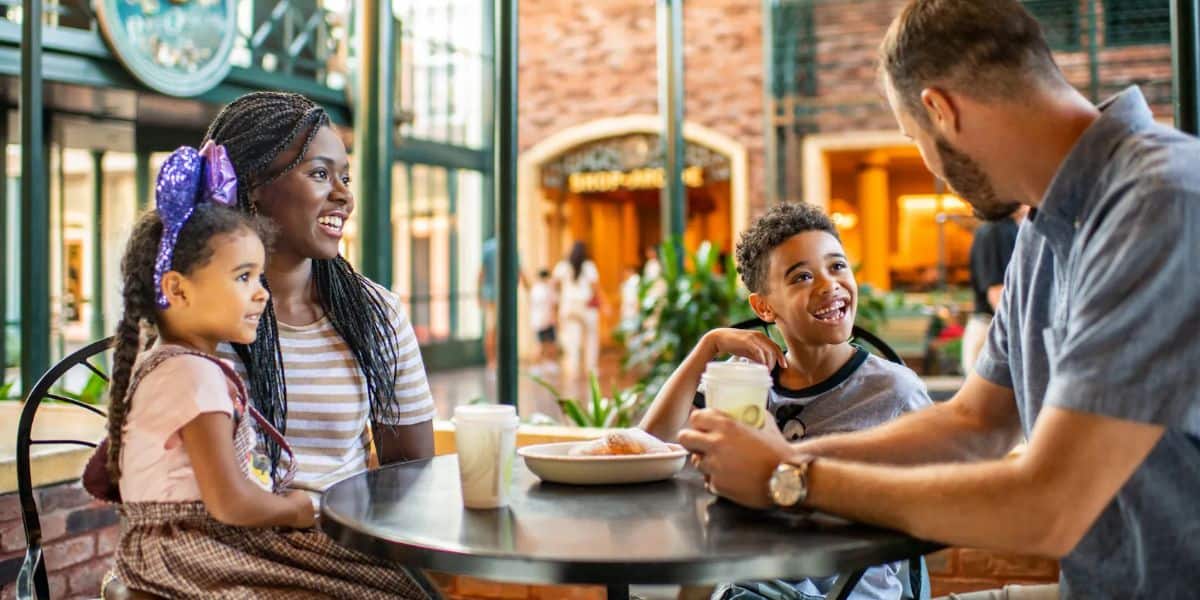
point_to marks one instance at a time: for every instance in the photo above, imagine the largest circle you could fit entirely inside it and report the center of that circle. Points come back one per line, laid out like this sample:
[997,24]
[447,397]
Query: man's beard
[968,180]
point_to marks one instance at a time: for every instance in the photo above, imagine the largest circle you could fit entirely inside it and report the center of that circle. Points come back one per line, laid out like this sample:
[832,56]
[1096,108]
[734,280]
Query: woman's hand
[754,345]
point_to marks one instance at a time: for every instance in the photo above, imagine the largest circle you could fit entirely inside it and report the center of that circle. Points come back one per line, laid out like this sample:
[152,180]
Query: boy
[542,308]
[793,263]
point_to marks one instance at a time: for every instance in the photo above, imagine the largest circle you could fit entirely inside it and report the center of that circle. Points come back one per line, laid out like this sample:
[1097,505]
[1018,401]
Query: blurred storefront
[781,104]
[833,141]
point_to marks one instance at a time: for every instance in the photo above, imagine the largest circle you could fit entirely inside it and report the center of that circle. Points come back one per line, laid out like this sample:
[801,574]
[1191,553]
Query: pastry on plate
[623,442]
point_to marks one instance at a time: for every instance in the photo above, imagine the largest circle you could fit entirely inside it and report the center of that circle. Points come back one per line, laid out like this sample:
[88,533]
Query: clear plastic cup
[486,437]
[738,389]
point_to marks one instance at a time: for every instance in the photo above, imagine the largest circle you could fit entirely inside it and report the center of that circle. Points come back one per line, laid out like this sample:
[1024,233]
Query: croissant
[621,442]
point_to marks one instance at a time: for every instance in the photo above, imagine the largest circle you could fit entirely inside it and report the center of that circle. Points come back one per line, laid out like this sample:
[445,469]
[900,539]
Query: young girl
[335,361]
[198,519]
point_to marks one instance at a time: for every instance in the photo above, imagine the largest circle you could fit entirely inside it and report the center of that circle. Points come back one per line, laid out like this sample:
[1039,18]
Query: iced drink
[738,389]
[486,437]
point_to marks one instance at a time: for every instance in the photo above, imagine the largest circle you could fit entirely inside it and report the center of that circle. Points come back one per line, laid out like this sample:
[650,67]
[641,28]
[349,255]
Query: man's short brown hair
[984,48]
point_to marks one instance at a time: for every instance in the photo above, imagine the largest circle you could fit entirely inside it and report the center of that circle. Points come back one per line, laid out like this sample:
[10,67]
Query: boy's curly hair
[778,225]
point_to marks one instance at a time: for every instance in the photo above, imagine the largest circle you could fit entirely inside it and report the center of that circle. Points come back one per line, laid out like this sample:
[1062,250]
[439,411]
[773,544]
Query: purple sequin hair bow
[188,177]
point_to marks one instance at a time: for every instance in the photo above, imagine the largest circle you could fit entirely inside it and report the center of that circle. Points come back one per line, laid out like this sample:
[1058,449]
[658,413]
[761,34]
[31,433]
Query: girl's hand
[306,514]
[751,344]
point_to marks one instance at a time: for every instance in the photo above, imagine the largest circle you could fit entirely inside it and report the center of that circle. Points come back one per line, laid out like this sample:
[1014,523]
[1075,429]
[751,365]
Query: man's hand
[737,461]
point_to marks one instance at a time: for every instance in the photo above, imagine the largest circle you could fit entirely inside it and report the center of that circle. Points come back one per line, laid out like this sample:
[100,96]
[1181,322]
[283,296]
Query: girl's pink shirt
[154,465]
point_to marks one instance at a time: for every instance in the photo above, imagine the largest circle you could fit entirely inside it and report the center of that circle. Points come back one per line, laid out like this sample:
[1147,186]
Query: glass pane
[442,69]
[120,213]
[401,253]
[468,217]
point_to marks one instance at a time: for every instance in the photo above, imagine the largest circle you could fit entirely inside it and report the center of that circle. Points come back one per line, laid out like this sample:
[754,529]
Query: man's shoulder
[1157,161]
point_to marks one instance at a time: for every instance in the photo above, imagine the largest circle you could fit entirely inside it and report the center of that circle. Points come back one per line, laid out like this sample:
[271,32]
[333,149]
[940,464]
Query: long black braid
[255,129]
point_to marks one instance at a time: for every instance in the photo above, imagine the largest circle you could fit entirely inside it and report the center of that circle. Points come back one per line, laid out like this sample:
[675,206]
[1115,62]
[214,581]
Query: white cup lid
[485,413]
[739,372]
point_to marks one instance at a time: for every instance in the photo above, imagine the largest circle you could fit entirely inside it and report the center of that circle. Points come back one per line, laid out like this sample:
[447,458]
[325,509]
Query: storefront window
[442,69]
[437,230]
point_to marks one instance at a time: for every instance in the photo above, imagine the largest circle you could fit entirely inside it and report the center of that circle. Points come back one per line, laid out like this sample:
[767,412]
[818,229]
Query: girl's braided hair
[192,251]
[255,129]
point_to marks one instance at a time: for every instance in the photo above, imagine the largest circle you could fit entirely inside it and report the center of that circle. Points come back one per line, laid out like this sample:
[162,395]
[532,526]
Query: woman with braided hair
[335,361]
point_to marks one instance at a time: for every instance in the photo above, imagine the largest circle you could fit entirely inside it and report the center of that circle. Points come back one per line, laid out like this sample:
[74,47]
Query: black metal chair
[31,580]
[858,335]
[918,571]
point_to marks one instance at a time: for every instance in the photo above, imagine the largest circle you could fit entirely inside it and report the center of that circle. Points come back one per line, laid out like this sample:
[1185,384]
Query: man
[1092,356]
[991,249]
[489,270]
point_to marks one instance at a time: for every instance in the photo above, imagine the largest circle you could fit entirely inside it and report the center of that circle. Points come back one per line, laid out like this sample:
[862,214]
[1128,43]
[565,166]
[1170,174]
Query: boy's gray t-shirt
[868,391]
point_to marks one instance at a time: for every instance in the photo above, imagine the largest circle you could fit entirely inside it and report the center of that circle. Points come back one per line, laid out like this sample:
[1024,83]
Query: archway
[600,182]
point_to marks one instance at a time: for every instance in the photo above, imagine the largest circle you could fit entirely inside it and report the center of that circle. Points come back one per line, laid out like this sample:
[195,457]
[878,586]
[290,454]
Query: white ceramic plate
[550,462]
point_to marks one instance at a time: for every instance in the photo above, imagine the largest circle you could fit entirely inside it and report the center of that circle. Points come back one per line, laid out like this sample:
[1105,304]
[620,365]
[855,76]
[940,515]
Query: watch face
[177,47]
[786,486]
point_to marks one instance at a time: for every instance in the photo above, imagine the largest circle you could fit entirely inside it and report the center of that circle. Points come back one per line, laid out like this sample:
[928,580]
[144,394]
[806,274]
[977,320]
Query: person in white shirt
[542,301]
[579,295]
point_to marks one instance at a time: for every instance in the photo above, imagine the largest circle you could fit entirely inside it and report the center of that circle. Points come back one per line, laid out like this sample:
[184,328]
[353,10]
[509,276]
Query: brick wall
[79,536]
[957,570]
[581,61]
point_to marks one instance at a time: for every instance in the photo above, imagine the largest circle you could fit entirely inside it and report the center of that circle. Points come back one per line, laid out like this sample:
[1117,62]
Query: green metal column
[4,246]
[1093,53]
[670,104]
[488,209]
[452,209]
[771,140]
[1185,61]
[504,175]
[373,138]
[97,299]
[34,269]
[141,179]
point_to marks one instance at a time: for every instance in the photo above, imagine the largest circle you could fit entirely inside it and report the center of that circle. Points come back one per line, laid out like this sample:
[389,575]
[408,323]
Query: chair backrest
[32,580]
[858,335]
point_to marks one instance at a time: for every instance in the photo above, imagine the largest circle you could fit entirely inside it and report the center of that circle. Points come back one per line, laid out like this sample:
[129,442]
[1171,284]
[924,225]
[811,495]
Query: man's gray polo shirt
[1101,313]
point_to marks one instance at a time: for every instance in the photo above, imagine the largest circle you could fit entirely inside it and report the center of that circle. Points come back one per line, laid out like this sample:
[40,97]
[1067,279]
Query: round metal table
[669,532]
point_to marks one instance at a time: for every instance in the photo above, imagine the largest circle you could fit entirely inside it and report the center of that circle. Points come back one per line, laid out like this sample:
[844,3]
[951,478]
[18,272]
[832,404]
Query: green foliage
[874,306]
[93,391]
[621,408]
[692,297]
[12,348]
[6,390]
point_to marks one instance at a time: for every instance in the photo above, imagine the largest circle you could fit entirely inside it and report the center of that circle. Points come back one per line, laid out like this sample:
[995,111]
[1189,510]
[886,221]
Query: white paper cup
[738,389]
[486,437]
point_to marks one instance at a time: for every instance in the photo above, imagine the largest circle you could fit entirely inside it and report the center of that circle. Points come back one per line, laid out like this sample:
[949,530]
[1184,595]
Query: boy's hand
[754,345]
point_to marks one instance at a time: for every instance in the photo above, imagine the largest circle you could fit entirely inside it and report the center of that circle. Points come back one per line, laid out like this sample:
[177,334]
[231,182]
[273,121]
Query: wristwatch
[788,486]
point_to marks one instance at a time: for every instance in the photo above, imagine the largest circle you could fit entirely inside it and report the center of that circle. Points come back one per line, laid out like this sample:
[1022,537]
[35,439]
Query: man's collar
[1075,182]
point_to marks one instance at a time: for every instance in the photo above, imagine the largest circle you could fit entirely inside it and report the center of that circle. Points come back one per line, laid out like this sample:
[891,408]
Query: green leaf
[597,397]
[93,391]
[571,410]
[546,384]
[670,259]
[706,257]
